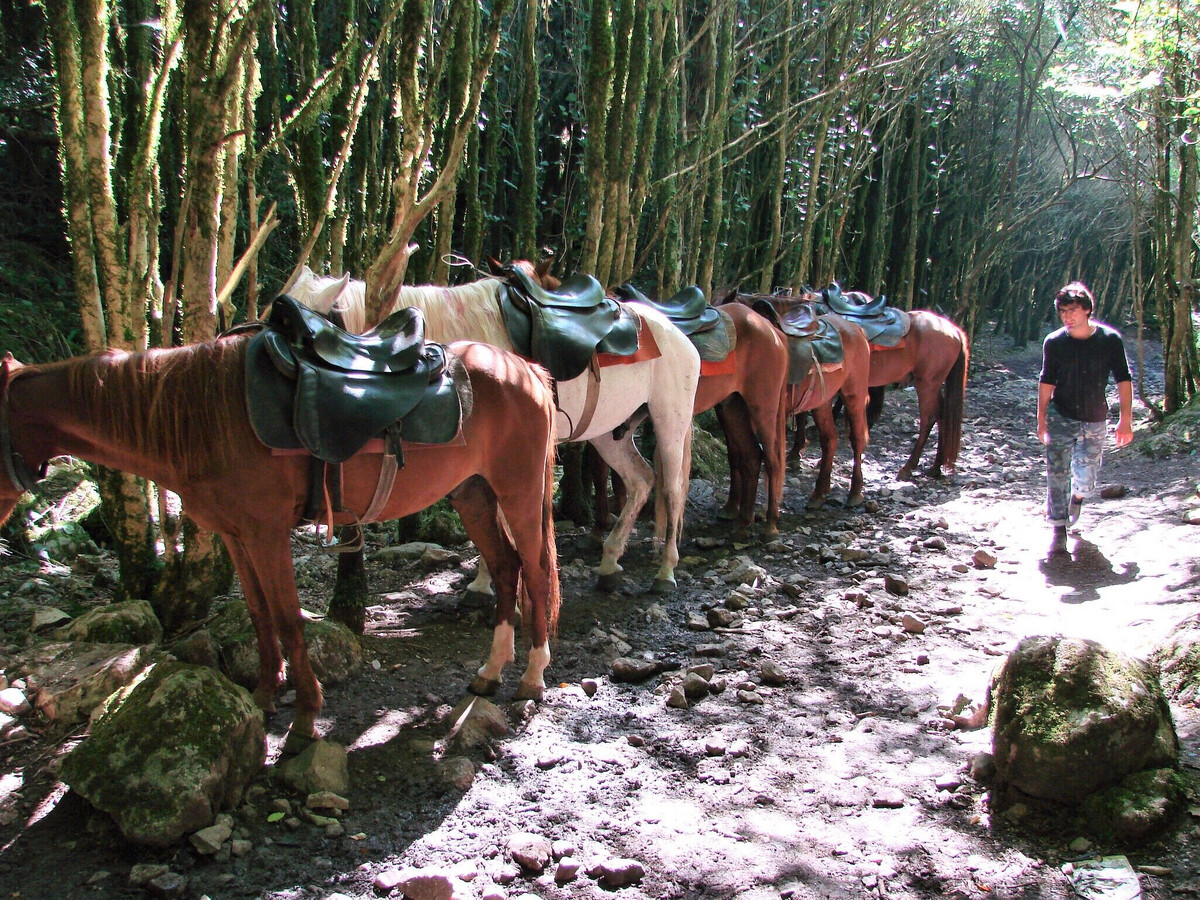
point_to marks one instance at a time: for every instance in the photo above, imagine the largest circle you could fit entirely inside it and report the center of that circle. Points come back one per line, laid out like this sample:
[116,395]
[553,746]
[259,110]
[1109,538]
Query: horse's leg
[602,517]
[928,402]
[475,503]
[799,442]
[271,586]
[623,456]
[767,414]
[856,419]
[672,468]
[745,459]
[270,659]
[827,429]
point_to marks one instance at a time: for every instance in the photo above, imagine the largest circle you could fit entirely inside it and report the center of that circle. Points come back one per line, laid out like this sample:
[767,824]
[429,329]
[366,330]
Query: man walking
[1072,411]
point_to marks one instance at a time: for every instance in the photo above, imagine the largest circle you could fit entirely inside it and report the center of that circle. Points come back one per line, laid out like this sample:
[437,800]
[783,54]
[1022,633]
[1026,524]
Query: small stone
[894,584]
[561,848]
[983,767]
[934,543]
[617,873]
[983,560]
[912,624]
[566,870]
[532,851]
[922,659]
[386,881]
[13,702]
[625,669]
[715,746]
[704,670]
[723,618]
[209,840]
[335,830]
[772,674]
[694,686]
[240,847]
[677,699]
[888,798]
[1080,845]
[458,771]
[143,873]
[949,782]
[709,650]
[1156,871]
[590,686]
[749,697]
[170,885]
[1113,491]
[327,800]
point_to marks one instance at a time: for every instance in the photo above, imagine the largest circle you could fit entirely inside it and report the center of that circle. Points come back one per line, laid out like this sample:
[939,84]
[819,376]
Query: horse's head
[539,273]
[15,475]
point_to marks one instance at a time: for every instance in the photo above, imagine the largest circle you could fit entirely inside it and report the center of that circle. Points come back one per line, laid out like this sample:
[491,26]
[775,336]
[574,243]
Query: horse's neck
[469,312]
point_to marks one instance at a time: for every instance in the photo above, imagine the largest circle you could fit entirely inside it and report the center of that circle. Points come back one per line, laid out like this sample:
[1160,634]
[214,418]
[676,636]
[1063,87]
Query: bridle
[19,473]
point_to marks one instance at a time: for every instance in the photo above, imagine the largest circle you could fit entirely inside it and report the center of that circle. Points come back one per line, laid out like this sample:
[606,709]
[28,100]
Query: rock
[888,798]
[531,851]
[1139,808]
[723,618]
[590,686]
[1071,718]
[1178,659]
[1079,845]
[326,800]
[704,670]
[321,766]
[387,881]
[912,624]
[141,874]
[169,885]
[130,622]
[1113,491]
[934,543]
[424,884]
[13,702]
[894,584]
[476,721]
[167,753]
[772,674]
[45,616]
[617,873]
[208,841]
[697,622]
[677,699]
[458,771]
[409,552]
[198,648]
[749,697]
[1192,516]
[72,679]
[694,687]
[567,870]
[951,781]
[983,559]
[629,670]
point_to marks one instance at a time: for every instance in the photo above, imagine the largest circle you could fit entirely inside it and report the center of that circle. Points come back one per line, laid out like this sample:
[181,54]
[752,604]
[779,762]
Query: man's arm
[1045,392]
[1125,422]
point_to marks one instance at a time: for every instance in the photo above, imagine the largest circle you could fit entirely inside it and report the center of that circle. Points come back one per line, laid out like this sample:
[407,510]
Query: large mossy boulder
[333,649]
[1072,717]
[131,622]
[1138,808]
[168,752]
[1178,661]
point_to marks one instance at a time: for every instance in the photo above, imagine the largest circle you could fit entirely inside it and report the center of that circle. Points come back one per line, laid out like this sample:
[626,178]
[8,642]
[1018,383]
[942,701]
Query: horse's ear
[495,266]
[328,297]
[542,269]
[7,366]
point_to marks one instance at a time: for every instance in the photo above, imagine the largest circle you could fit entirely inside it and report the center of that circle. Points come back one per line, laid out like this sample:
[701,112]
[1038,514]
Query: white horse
[621,395]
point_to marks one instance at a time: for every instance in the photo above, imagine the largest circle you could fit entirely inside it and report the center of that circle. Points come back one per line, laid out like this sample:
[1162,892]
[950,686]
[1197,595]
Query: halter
[22,477]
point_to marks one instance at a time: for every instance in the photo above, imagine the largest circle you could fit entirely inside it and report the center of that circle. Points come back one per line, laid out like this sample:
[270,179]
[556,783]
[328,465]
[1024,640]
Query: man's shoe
[1059,542]
[1073,509]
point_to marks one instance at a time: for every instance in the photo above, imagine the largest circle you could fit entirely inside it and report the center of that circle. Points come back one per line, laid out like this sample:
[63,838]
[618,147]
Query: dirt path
[826,785]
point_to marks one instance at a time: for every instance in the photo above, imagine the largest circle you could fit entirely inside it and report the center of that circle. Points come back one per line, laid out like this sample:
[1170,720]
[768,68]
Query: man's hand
[1043,432]
[1124,432]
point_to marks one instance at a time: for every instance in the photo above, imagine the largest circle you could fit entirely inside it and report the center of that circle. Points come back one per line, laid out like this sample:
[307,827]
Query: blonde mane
[464,312]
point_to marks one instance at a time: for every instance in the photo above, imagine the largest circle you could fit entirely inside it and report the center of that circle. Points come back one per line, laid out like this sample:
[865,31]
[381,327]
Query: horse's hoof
[609,582]
[855,500]
[527,692]
[814,503]
[904,474]
[296,743]
[484,687]
[589,541]
[477,599]
[727,513]
[663,586]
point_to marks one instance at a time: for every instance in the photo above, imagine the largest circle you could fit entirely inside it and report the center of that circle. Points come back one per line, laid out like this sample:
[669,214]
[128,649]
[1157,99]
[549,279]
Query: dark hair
[1075,292]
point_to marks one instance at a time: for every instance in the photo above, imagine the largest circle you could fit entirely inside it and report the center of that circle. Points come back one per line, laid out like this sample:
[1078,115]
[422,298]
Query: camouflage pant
[1073,458]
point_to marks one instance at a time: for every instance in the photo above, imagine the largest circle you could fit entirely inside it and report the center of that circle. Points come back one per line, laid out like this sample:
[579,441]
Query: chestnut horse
[814,394]
[665,387]
[178,417]
[934,357]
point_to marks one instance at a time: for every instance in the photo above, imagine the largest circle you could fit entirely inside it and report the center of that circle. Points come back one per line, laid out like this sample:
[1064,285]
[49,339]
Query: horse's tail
[549,547]
[875,404]
[950,418]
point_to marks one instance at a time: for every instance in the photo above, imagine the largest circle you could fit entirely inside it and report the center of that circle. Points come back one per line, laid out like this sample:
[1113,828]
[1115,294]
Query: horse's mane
[464,312]
[184,406]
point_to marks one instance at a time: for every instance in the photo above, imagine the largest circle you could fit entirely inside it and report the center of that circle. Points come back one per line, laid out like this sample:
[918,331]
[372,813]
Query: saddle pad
[717,343]
[647,348]
[824,347]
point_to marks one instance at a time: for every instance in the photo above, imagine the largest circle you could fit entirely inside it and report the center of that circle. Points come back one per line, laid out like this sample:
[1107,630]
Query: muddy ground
[824,786]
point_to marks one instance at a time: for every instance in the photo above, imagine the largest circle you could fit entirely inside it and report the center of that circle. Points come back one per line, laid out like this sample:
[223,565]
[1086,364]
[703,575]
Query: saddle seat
[853,304]
[564,329]
[311,385]
[797,320]
[688,310]
[885,326]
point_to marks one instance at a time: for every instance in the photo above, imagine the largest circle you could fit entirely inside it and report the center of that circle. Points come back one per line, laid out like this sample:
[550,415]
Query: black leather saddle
[811,338]
[563,329]
[688,310]
[884,326]
[311,385]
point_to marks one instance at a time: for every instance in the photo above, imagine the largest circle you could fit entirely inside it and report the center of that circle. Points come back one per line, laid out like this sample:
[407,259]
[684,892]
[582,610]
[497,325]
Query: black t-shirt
[1079,369]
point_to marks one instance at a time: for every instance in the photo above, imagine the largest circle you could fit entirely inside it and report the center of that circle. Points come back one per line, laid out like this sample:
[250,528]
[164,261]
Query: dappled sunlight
[389,724]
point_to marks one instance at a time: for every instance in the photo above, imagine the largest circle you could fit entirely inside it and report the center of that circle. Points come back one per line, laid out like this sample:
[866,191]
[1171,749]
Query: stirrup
[351,545]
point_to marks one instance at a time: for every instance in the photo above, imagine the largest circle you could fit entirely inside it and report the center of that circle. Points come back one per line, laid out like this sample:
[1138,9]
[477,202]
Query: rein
[19,473]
